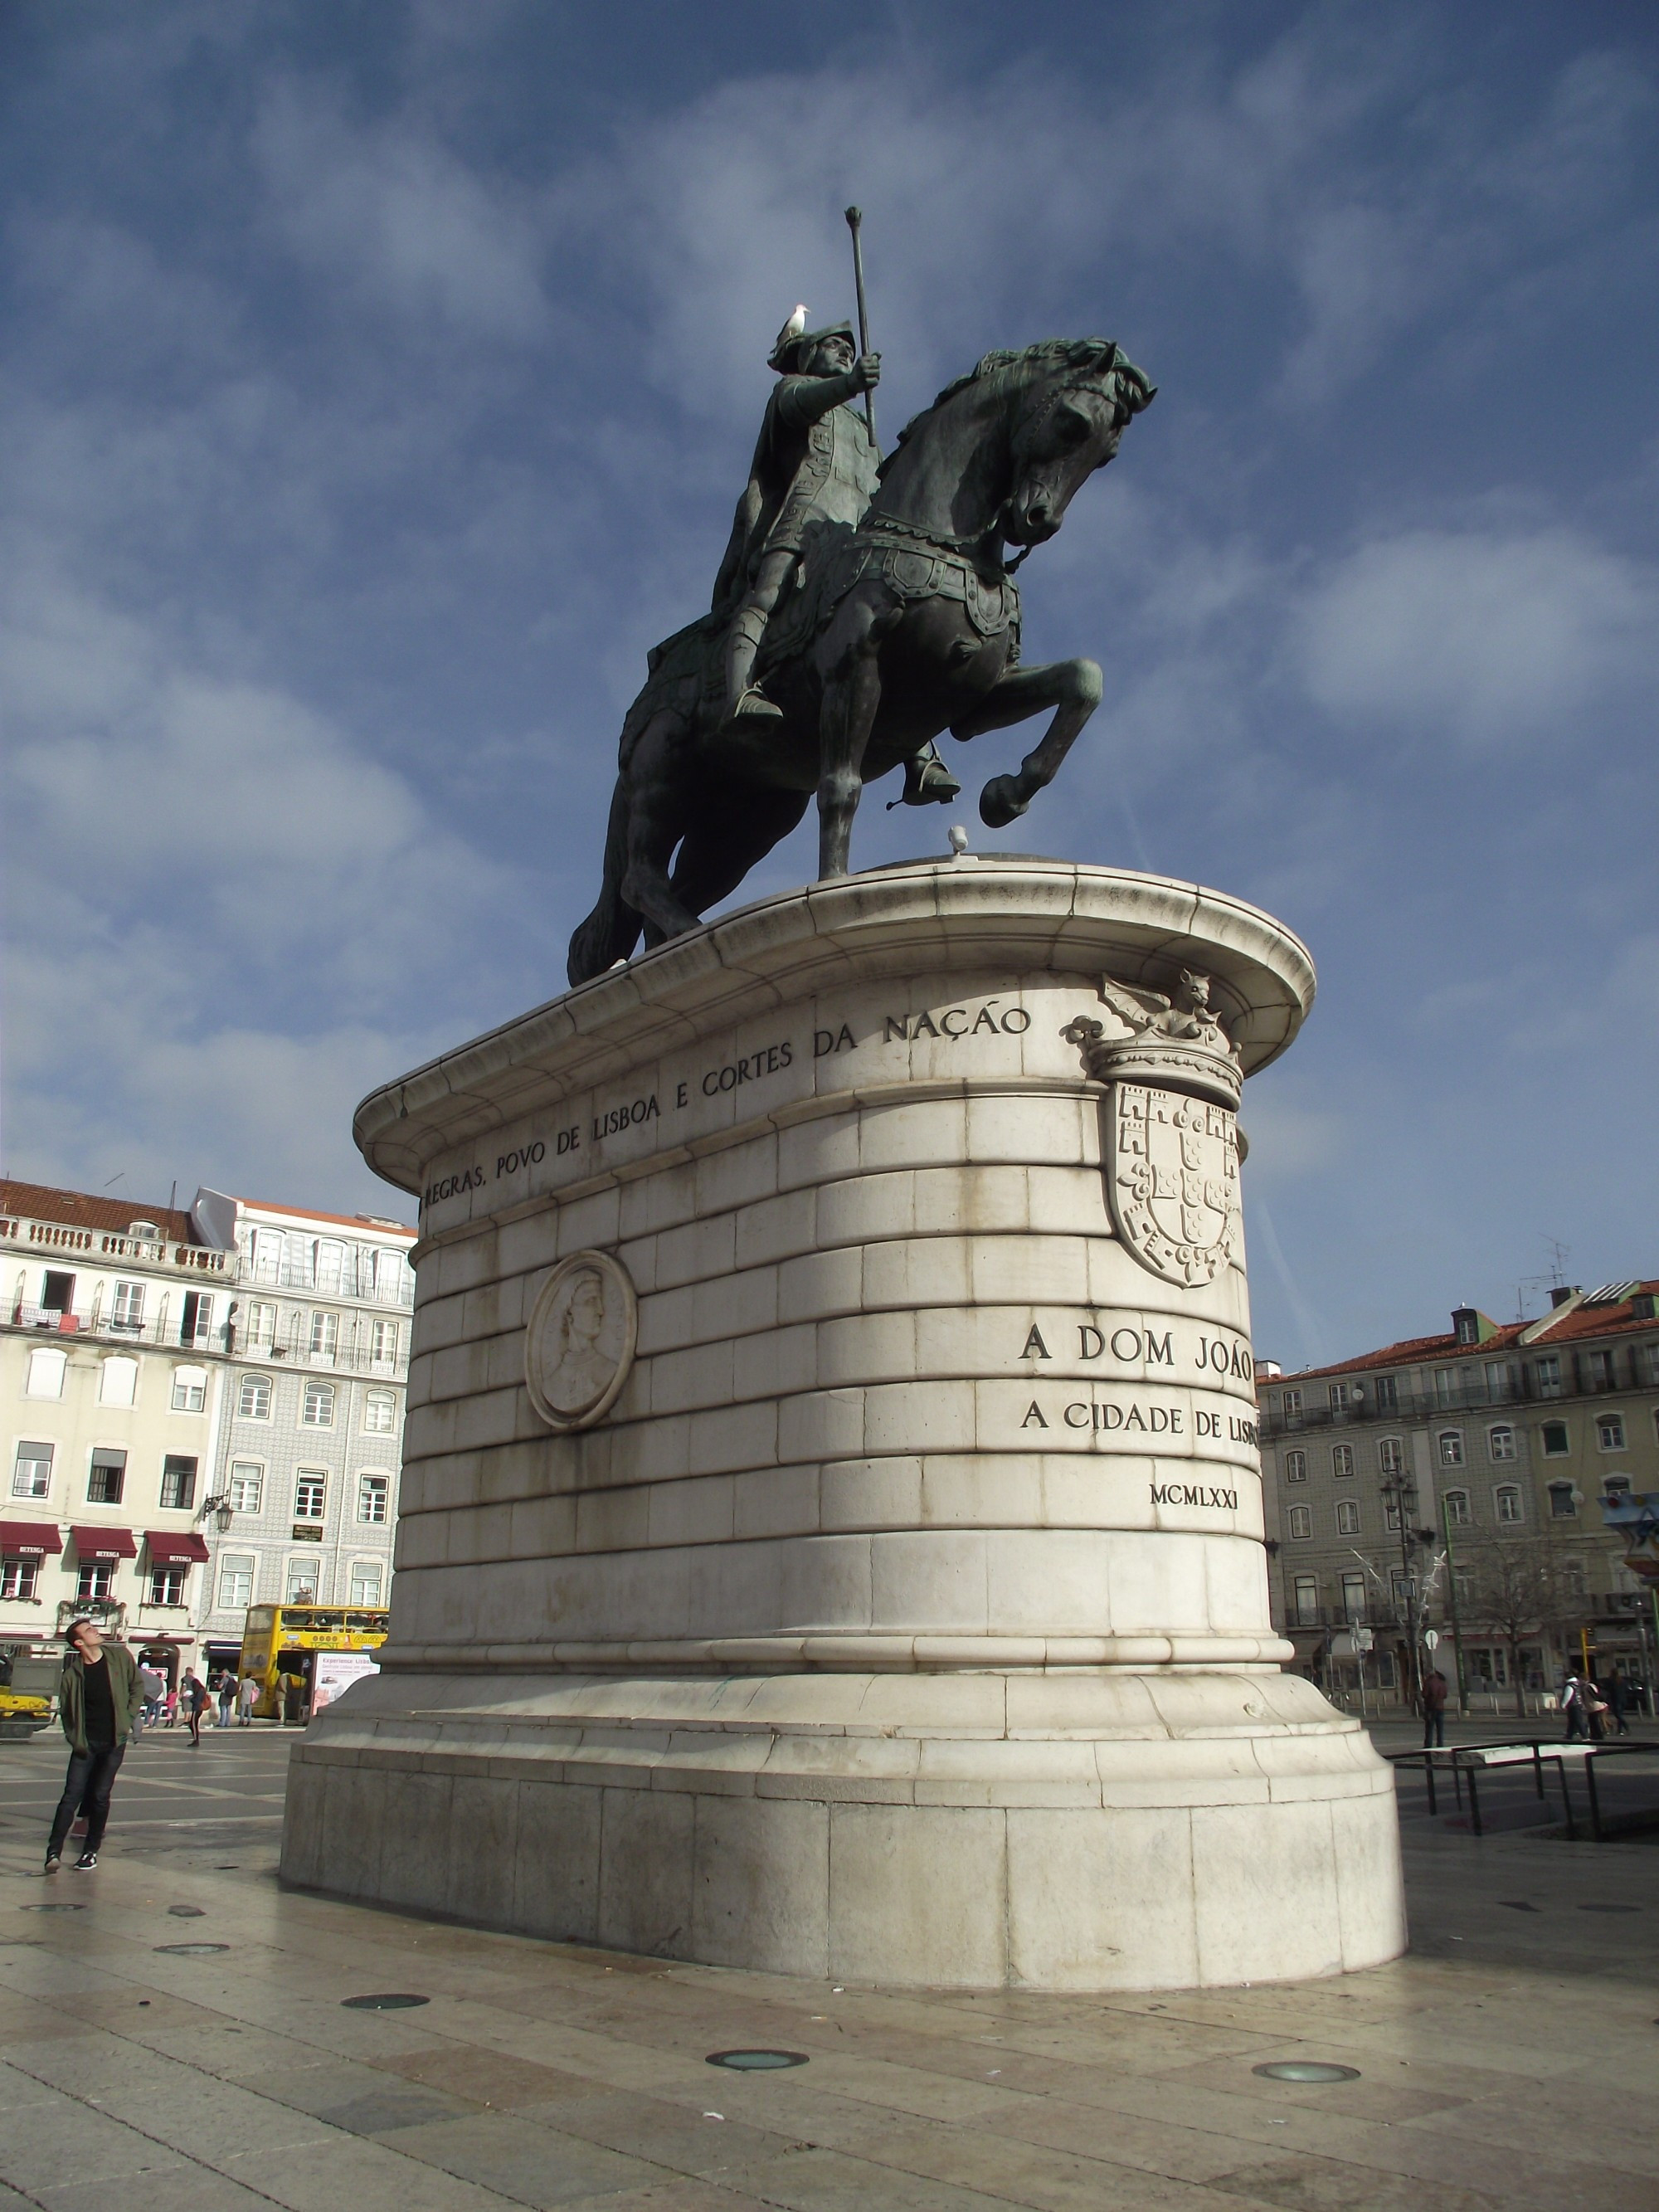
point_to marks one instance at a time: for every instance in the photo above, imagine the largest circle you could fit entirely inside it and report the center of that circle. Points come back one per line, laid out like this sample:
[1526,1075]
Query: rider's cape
[801,473]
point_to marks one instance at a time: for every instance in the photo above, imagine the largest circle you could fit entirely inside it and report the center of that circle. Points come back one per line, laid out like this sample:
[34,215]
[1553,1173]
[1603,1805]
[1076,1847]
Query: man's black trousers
[86,1786]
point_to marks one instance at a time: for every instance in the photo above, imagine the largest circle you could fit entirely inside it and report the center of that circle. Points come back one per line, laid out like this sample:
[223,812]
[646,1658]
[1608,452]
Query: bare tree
[1515,1592]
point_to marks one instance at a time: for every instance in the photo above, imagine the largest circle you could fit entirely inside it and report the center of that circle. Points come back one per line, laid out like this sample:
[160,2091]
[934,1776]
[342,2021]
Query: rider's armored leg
[743,641]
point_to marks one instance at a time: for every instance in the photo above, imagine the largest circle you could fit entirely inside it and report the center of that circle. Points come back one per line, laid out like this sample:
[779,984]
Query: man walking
[98,1700]
[247,1696]
[1435,1687]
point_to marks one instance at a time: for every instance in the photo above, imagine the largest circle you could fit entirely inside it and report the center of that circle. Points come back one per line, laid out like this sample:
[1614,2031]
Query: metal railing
[1521,1387]
[1465,1761]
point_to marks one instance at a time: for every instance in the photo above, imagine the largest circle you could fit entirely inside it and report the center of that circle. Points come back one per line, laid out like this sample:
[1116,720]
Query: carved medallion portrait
[580,1343]
[1172,1179]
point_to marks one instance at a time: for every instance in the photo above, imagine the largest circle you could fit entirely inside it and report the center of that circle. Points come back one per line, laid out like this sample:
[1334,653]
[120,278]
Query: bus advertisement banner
[336,1672]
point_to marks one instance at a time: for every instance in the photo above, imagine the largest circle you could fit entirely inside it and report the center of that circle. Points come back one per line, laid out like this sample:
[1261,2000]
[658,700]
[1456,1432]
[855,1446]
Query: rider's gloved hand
[866,372]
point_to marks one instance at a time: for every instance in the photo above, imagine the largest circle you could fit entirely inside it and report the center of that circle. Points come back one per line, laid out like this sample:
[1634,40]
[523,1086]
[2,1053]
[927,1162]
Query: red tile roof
[113,1216]
[1585,1321]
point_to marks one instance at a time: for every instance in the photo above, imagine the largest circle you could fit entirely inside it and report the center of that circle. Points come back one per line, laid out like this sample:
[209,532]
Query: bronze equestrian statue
[861,632]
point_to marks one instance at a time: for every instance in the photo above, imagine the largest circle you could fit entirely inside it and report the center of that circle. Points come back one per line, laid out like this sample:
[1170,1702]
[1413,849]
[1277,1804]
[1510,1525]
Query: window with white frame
[317,1409]
[1347,1516]
[267,1255]
[1507,1501]
[1573,1579]
[235,1581]
[1388,1393]
[1295,1466]
[1391,1456]
[1336,1396]
[1554,1440]
[167,1584]
[1292,1406]
[127,1313]
[1600,1369]
[1451,1447]
[1500,1381]
[1342,1462]
[1354,1595]
[302,1582]
[189,1389]
[118,1381]
[1456,1505]
[1610,1432]
[389,1270]
[380,1412]
[309,1491]
[245,1488]
[1564,1506]
[44,1377]
[178,1483]
[366,1580]
[327,1258]
[262,1321]
[1547,1374]
[253,1398]
[1301,1522]
[197,1327]
[1648,1360]
[383,1343]
[372,1491]
[325,1335]
[1616,1485]
[93,1578]
[31,1474]
[18,1578]
[1305,1600]
[1500,1442]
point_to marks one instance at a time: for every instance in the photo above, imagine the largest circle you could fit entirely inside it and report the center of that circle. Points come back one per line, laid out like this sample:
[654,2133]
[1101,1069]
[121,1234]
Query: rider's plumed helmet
[794,349]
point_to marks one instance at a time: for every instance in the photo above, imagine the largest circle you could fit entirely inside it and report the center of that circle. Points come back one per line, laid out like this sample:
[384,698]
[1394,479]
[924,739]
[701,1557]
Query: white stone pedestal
[868,1579]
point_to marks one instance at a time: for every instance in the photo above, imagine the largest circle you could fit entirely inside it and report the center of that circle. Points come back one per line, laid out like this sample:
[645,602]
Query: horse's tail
[612,930]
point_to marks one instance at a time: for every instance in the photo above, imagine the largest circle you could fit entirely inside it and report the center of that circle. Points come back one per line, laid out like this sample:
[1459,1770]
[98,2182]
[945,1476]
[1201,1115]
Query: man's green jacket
[126,1696]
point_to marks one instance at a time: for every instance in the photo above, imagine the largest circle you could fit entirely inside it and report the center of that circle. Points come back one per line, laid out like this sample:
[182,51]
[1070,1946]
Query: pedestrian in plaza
[98,1700]
[193,1696]
[1575,1706]
[1616,1692]
[227,1696]
[1596,1706]
[1435,1688]
[170,1704]
[153,1687]
[247,1696]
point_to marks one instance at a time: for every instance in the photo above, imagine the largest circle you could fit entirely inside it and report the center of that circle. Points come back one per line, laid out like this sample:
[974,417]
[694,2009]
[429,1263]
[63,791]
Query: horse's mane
[1004,369]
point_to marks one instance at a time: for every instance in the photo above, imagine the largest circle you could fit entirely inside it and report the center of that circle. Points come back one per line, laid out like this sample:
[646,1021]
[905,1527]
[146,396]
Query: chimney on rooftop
[1562,1293]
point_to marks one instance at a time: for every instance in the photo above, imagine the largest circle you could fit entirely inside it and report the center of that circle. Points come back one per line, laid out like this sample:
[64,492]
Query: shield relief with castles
[1172,1181]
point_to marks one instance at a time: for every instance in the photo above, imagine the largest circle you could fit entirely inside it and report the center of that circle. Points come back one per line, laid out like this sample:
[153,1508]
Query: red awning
[105,1543]
[169,1551]
[29,1540]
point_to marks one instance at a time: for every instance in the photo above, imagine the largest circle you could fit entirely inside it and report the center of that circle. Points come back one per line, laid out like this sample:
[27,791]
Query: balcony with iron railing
[358,1285]
[1517,1387]
[224,1339]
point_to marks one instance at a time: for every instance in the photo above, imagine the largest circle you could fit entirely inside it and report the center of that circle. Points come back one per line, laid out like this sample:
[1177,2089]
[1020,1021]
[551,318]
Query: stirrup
[927,782]
[753,706]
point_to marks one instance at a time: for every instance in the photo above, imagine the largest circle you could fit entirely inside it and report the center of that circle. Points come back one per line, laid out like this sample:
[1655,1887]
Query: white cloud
[1489,640]
[406,223]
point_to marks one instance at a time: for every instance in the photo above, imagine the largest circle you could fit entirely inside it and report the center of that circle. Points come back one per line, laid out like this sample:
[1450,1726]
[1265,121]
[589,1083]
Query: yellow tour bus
[280,1645]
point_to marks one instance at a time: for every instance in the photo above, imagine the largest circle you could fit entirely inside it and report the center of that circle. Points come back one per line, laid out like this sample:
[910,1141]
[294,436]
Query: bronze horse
[905,626]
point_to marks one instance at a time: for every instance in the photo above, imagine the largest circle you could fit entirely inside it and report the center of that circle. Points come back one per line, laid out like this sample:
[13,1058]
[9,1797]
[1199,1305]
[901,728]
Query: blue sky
[378,379]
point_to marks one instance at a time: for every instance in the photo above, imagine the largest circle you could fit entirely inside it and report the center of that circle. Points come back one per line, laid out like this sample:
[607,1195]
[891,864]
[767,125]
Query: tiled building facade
[203,1409]
[1489,1451]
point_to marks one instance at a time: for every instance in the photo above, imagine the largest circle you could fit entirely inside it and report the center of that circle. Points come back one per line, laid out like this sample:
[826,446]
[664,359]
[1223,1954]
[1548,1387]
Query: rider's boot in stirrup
[928,782]
[743,700]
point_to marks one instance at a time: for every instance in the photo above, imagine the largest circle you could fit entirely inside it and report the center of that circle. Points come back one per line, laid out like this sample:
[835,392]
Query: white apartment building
[113,1360]
[304,1496]
[204,1411]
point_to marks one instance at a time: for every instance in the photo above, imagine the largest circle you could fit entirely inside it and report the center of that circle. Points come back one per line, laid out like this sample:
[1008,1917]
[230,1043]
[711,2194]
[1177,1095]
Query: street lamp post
[1399,1497]
[1456,1624]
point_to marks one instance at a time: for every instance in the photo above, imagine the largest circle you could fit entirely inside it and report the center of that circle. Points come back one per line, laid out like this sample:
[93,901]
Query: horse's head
[1067,415]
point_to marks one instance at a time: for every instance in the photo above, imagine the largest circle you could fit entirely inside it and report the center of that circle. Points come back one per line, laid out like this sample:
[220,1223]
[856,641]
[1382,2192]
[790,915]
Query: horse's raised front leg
[1072,688]
[850,656]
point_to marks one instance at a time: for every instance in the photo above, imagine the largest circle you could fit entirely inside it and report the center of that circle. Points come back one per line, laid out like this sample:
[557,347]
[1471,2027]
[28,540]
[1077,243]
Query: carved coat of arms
[1172,1180]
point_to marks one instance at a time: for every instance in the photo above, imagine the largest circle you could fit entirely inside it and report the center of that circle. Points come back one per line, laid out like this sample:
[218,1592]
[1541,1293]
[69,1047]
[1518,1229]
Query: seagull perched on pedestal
[793,328]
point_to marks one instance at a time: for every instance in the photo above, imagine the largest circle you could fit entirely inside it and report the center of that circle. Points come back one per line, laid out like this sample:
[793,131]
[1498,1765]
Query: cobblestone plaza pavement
[1508,2060]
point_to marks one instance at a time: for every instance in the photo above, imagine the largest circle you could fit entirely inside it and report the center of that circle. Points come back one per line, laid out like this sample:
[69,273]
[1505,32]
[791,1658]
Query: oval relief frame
[578,1346]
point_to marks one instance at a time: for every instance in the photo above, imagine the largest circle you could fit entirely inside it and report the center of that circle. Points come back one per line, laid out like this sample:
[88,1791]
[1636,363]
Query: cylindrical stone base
[831,1520]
